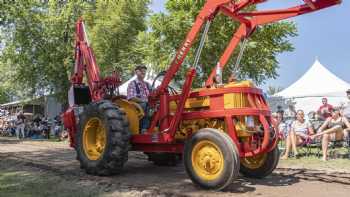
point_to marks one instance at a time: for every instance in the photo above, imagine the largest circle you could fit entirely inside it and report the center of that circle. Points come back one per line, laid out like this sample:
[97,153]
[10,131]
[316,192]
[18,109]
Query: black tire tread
[232,168]
[266,169]
[116,151]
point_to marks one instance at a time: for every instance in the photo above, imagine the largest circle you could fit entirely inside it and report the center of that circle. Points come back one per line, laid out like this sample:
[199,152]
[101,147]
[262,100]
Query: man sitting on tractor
[138,91]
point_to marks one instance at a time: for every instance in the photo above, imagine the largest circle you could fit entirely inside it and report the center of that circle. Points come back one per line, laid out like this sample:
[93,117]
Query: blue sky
[324,34]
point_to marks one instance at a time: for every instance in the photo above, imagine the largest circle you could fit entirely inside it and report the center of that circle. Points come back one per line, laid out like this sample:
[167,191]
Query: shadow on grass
[315,175]
[9,140]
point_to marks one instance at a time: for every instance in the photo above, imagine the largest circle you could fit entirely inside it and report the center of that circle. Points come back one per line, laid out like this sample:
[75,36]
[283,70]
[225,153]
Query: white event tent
[316,83]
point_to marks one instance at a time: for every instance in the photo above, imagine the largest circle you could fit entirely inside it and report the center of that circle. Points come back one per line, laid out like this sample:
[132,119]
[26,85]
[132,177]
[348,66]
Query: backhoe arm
[85,62]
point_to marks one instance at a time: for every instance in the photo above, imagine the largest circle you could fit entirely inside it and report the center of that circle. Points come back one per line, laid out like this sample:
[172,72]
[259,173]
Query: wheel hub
[254,162]
[207,160]
[94,138]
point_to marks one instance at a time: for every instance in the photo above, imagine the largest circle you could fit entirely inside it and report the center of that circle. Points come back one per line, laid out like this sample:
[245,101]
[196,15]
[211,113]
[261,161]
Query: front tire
[102,139]
[260,166]
[211,159]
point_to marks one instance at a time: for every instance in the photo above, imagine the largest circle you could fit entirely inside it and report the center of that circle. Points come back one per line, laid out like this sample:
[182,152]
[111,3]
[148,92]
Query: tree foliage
[115,27]
[37,41]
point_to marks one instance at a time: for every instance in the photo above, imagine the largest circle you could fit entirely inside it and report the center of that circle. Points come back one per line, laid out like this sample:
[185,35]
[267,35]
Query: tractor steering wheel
[170,88]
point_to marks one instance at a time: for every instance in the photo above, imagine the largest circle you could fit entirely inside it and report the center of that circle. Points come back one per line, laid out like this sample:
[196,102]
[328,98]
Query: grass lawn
[18,181]
[315,163]
[340,160]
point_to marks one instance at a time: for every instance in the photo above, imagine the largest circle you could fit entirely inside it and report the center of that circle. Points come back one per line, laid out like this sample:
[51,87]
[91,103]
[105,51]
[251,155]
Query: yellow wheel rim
[207,160]
[94,138]
[254,162]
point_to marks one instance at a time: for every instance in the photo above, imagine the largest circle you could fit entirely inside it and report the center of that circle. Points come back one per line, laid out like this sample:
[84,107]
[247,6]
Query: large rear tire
[211,159]
[102,139]
[260,166]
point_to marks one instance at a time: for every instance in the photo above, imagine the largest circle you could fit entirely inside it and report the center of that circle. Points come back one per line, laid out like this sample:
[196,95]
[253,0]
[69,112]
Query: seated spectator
[299,132]
[334,128]
[46,128]
[346,109]
[315,120]
[325,109]
[279,109]
[36,130]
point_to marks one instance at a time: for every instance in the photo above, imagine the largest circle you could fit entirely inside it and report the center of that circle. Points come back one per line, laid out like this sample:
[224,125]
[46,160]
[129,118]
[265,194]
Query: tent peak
[316,81]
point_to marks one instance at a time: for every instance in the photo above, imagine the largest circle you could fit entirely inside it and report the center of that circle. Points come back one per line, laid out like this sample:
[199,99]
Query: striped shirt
[141,91]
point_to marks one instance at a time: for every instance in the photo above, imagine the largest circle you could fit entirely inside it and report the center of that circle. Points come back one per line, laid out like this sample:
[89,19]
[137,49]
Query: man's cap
[348,91]
[141,66]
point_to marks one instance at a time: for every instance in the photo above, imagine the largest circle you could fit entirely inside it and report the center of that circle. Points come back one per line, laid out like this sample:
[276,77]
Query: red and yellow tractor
[218,131]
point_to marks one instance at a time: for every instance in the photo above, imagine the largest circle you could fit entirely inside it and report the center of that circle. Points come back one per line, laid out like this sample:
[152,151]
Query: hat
[348,91]
[141,66]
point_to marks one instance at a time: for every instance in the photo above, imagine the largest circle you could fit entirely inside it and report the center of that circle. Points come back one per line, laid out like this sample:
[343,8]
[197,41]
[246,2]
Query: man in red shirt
[325,109]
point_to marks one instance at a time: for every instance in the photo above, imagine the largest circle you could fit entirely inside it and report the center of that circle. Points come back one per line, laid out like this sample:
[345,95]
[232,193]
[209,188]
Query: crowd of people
[37,127]
[327,124]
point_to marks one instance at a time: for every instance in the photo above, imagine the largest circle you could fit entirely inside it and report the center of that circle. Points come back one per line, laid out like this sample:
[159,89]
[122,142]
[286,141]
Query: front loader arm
[251,20]
[248,20]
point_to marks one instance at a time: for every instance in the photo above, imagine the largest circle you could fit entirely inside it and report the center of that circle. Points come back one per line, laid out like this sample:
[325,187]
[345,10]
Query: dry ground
[41,168]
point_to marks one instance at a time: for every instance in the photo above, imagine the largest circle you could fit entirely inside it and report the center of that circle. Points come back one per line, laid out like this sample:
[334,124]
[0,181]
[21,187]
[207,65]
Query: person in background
[315,120]
[279,109]
[346,110]
[325,109]
[231,78]
[217,82]
[299,132]
[36,130]
[334,128]
[290,113]
[289,116]
[281,125]
[46,127]
[20,125]
[57,126]
[138,91]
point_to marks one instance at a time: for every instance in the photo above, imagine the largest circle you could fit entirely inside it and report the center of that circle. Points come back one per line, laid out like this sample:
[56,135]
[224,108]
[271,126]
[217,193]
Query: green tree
[7,89]
[168,30]
[115,27]
[39,39]
[39,44]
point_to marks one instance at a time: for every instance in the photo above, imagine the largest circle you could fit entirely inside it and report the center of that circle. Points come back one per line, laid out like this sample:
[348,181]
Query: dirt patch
[53,163]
